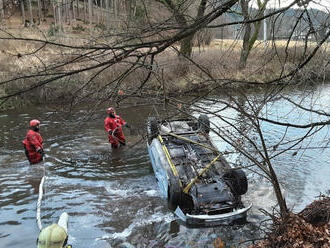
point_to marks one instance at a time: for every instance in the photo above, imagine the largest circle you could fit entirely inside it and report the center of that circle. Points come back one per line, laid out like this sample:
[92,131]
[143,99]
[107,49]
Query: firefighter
[113,126]
[53,236]
[33,143]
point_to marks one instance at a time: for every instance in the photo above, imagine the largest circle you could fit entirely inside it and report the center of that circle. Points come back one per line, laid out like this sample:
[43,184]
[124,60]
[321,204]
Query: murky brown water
[112,196]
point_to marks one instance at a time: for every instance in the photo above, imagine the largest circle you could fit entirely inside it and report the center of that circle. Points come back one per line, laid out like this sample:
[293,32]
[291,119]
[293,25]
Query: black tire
[152,129]
[204,123]
[237,181]
[174,193]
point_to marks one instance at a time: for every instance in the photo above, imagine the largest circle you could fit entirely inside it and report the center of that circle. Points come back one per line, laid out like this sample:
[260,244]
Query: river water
[112,196]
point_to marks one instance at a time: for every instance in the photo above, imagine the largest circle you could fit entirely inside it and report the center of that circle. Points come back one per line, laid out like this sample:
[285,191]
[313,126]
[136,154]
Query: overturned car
[199,184]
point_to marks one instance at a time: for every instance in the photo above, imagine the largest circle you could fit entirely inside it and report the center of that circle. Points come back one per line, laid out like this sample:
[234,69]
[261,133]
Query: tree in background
[180,11]
[248,38]
[2,11]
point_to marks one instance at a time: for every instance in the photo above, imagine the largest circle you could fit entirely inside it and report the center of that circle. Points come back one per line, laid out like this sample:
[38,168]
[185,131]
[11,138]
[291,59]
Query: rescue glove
[126,125]
[41,151]
[110,132]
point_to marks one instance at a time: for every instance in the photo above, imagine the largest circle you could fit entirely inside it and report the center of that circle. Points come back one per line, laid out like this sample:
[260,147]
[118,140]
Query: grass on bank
[219,60]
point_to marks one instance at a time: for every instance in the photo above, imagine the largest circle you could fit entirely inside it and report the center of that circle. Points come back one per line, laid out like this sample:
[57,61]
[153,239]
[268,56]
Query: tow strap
[175,172]
[168,156]
[187,188]
[193,142]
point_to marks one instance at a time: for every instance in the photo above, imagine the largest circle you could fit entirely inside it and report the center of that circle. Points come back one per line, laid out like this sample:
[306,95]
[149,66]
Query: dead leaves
[296,232]
[218,243]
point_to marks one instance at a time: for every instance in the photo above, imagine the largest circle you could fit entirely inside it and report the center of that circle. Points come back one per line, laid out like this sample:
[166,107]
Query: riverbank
[213,65]
[309,228]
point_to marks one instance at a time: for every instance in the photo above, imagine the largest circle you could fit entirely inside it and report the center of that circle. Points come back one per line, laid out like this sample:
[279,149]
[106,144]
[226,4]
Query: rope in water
[39,202]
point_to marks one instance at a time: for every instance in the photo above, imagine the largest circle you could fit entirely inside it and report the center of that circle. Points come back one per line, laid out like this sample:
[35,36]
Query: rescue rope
[41,186]
[39,202]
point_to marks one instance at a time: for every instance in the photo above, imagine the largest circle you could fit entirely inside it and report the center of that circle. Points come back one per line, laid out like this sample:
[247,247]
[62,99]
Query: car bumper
[210,220]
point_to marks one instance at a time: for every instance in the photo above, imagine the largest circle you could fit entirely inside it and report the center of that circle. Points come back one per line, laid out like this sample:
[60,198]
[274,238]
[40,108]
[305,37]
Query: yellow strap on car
[187,188]
[168,156]
[193,142]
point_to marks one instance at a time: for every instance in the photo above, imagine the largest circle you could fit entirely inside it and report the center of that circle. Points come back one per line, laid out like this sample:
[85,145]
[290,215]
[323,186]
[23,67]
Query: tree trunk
[247,33]
[30,12]
[85,11]
[134,9]
[77,13]
[59,12]
[68,11]
[107,18]
[39,12]
[97,9]
[64,11]
[74,10]
[186,46]
[55,13]
[44,8]
[23,12]
[90,15]
[273,176]
[2,11]
[101,12]
[279,196]
[115,11]
[128,9]
[248,40]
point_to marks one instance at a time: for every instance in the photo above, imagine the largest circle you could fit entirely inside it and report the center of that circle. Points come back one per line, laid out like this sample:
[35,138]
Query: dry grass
[218,60]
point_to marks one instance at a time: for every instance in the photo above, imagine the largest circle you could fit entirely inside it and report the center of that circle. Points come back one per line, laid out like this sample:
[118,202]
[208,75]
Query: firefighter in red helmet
[33,143]
[113,126]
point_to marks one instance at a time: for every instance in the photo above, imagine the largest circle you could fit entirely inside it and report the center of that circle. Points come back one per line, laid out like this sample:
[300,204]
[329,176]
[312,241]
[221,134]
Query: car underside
[192,173]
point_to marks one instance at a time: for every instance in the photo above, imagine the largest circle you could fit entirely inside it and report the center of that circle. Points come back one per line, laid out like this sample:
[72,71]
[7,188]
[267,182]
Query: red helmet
[110,110]
[34,123]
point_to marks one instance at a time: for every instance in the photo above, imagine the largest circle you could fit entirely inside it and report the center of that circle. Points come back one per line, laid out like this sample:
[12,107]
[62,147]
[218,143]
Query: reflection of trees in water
[34,182]
[34,175]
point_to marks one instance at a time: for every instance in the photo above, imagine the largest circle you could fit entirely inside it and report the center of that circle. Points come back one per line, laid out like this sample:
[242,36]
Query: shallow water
[112,196]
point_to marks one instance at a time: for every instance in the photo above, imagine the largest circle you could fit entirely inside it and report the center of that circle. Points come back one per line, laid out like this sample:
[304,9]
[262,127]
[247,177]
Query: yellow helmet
[53,236]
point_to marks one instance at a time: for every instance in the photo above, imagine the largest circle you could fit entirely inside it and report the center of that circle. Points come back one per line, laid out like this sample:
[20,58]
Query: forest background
[248,42]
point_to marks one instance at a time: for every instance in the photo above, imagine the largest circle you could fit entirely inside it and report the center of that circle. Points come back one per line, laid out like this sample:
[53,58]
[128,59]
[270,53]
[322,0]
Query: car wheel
[204,123]
[152,129]
[237,181]
[173,193]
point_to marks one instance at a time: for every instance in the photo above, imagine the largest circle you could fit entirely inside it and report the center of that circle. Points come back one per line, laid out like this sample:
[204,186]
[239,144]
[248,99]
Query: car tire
[152,129]
[204,123]
[237,181]
[173,193]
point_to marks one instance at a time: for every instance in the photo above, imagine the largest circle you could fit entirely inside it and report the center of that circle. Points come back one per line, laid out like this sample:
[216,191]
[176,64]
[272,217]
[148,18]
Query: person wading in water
[33,143]
[113,126]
